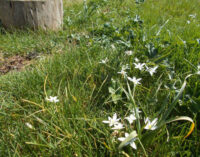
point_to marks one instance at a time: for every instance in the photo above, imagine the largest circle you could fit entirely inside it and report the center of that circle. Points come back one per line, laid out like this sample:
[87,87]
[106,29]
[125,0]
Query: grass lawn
[113,57]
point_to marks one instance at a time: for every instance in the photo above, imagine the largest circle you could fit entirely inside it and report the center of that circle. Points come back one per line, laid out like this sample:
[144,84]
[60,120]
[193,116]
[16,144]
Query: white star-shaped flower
[125,67]
[136,59]
[151,125]
[134,80]
[152,70]
[52,99]
[132,142]
[137,110]
[123,73]
[104,61]
[193,16]
[112,121]
[131,118]
[137,18]
[139,66]
[129,53]
[118,126]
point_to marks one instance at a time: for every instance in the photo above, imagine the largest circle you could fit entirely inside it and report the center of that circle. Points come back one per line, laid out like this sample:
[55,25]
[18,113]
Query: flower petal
[105,121]
[121,139]
[133,145]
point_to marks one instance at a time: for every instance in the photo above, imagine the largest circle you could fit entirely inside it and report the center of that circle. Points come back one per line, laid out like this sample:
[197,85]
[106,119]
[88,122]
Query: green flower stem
[145,153]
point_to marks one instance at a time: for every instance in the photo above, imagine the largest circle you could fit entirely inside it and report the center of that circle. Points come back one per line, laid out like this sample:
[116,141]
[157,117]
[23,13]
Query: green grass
[73,127]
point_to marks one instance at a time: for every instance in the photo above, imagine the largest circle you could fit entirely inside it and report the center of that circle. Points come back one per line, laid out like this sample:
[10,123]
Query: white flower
[198,67]
[118,126]
[137,110]
[188,22]
[104,61]
[29,125]
[52,99]
[193,16]
[151,125]
[123,73]
[139,66]
[113,47]
[131,118]
[112,121]
[125,67]
[137,18]
[134,80]
[152,70]
[136,59]
[129,53]
[131,142]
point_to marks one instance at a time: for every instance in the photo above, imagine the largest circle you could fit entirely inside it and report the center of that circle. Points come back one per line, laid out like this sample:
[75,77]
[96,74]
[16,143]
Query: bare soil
[15,63]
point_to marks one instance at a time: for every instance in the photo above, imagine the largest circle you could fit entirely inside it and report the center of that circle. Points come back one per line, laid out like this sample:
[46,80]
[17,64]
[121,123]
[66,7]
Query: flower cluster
[139,66]
[134,119]
[116,125]
[142,66]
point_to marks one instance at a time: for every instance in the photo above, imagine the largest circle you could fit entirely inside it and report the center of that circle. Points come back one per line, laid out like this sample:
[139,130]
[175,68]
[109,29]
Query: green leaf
[128,139]
[111,90]
[185,118]
[115,98]
[172,105]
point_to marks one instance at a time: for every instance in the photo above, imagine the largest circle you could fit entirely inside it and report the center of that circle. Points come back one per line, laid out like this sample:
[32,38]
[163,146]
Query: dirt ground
[15,63]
